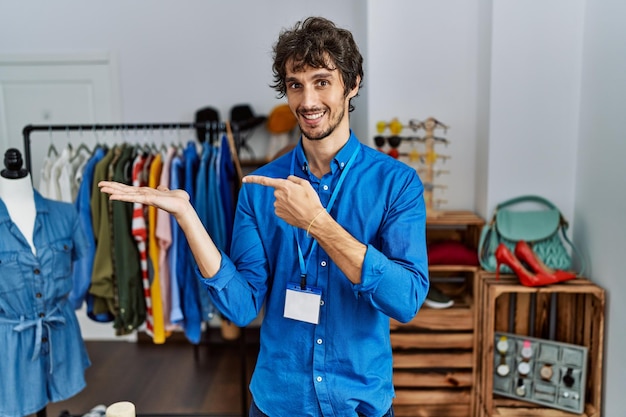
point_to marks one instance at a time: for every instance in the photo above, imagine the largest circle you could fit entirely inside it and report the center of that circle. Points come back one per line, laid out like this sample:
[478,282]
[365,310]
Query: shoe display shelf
[570,312]
[434,353]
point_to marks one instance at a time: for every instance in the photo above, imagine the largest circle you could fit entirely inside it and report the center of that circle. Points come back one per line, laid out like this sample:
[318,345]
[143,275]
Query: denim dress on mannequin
[43,357]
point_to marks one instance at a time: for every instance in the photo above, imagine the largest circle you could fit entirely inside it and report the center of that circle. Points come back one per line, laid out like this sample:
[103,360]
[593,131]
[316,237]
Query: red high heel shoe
[525,254]
[506,257]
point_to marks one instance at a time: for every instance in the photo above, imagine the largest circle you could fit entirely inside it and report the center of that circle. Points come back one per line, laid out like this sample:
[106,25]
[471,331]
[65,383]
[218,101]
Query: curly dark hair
[318,43]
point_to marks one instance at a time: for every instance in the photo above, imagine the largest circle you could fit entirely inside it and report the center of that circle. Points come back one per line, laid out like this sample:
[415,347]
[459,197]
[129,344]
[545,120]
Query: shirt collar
[339,161]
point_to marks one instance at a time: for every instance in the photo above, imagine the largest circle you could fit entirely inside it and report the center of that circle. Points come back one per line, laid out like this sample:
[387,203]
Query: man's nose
[309,97]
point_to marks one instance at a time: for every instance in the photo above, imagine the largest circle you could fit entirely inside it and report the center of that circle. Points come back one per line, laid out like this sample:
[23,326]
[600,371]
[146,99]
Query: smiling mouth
[312,118]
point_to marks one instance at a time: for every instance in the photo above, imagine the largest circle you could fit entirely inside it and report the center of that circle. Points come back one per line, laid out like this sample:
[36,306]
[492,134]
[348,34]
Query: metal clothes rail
[211,128]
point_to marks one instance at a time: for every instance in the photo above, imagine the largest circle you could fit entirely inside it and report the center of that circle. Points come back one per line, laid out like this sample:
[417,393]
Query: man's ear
[355,90]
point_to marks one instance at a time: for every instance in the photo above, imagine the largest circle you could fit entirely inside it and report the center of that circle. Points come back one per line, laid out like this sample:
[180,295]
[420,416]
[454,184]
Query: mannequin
[43,355]
[16,191]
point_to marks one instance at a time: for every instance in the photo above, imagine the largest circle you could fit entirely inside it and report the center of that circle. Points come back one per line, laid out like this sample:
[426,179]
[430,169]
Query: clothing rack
[210,129]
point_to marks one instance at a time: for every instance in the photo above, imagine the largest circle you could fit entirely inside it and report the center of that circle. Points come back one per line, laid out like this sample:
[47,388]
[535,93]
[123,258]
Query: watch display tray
[539,371]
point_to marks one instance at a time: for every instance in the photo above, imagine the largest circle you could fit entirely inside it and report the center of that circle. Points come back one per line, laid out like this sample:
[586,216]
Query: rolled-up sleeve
[394,277]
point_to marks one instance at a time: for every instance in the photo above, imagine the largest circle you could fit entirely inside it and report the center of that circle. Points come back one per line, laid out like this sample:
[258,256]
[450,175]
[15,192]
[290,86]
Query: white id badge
[303,305]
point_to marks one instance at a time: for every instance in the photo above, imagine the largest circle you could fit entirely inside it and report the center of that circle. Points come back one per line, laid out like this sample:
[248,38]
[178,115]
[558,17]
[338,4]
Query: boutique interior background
[534,92]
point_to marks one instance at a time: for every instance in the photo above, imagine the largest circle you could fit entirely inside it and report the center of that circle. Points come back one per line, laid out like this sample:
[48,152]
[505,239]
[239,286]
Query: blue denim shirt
[343,365]
[190,288]
[82,267]
[227,180]
[42,354]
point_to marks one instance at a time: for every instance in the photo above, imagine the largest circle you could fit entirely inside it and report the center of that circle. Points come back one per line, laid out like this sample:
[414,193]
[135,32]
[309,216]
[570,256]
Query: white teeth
[313,116]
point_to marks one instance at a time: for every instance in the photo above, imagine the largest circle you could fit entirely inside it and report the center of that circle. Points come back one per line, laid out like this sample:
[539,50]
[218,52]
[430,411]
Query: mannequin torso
[16,191]
[43,355]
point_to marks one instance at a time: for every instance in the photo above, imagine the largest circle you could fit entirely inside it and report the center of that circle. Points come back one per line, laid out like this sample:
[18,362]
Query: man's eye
[294,85]
[323,83]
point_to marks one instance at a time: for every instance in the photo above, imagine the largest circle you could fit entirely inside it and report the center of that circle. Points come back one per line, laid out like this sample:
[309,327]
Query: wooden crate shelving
[434,354]
[507,306]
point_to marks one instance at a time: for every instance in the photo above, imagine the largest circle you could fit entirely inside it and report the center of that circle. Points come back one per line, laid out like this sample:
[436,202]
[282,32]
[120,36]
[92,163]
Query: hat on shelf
[243,118]
[281,120]
[211,117]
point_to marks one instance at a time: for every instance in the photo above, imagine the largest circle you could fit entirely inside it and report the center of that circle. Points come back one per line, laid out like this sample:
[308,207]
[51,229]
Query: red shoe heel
[526,278]
[524,253]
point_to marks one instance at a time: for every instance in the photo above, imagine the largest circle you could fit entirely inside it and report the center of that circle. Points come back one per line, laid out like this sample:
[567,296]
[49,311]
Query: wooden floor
[168,379]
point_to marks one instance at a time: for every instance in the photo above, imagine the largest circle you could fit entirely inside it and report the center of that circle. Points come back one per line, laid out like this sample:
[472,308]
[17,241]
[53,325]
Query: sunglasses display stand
[425,161]
[544,372]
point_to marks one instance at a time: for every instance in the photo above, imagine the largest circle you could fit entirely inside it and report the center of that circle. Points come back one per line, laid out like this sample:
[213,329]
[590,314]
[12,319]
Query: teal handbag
[544,230]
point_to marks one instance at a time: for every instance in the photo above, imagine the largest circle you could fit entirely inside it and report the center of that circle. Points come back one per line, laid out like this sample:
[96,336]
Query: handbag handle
[524,199]
[528,199]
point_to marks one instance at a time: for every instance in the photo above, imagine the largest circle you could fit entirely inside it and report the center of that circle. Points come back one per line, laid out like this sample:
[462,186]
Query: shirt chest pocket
[62,258]
[11,279]
[62,250]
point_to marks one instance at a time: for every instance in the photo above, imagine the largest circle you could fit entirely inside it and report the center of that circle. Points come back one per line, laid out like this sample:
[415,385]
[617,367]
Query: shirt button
[342,164]
[44,339]
[319,341]
[319,379]
[42,315]
[38,295]
[36,271]
[323,263]
[321,302]
[325,188]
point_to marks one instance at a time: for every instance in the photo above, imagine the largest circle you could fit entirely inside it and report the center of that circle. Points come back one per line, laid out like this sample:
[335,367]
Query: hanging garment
[177,168]
[46,172]
[163,234]
[216,219]
[190,288]
[129,301]
[67,176]
[79,161]
[82,267]
[140,234]
[101,287]
[227,179]
[153,256]
[205,207]
[60,186]
[43,355]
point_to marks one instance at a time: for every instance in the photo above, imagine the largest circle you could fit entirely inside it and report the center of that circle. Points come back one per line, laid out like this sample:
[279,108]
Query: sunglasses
[393,141]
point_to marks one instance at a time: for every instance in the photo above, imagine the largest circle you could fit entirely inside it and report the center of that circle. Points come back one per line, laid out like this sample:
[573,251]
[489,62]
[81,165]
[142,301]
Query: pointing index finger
[262,180]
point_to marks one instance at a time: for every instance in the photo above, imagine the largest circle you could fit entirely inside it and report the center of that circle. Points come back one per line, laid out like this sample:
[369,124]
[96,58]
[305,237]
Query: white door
[43,90]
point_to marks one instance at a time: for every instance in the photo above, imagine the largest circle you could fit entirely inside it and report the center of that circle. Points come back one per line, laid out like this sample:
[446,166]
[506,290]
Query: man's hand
[175,202]
[297,203]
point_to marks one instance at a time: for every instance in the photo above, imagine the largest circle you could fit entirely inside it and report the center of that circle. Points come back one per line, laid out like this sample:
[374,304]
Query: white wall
[174,57]
[483,104]
[422,62]
[535,88]
[600,203]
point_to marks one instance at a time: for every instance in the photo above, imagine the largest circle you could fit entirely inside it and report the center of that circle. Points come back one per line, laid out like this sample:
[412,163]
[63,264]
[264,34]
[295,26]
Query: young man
[330,238]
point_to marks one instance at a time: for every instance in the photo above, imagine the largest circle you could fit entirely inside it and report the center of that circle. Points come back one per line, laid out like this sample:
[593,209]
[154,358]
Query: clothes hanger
[81,147]
[52,150]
